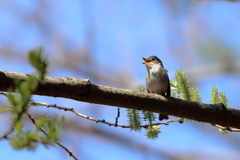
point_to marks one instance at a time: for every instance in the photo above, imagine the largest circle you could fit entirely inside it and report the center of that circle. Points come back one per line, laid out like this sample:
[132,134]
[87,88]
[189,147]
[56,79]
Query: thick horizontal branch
[82,90]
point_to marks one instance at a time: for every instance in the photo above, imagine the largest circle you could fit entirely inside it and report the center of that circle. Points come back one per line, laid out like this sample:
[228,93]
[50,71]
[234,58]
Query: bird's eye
[153,59]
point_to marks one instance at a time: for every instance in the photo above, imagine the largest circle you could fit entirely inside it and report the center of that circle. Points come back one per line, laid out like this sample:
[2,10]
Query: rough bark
[83,90]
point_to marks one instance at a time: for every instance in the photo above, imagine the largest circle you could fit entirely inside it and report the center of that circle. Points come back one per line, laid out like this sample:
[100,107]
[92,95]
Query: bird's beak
[146,61]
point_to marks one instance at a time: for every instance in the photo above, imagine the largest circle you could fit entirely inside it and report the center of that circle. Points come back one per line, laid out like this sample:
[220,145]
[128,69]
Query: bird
[157,80]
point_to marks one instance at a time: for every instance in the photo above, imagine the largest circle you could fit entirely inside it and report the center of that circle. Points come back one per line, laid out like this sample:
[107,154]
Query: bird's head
[152,60]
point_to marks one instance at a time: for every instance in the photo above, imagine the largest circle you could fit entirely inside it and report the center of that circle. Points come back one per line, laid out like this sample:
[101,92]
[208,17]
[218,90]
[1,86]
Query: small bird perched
[157,80]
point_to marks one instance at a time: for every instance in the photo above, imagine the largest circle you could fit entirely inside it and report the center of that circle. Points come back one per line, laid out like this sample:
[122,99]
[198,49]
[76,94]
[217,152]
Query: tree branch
[83,90]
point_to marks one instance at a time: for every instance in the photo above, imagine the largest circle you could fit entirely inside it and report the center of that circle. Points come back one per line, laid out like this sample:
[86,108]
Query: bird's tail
[162,117]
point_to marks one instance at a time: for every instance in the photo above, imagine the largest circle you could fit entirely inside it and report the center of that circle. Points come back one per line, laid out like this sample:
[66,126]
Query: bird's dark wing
[168,89]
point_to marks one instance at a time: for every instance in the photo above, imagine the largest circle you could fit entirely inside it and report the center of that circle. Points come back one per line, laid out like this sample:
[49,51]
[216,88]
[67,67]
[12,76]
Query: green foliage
[173,94]
[182,120]
[25,139]
[40,123]
[182,84]
[219,97]
[23,89]
[179,89]
[173,84]
[214,95]
[182,88]
[153,132]
[35,57]
[14,100]
[18,127]
[223,99]
[149,117]
[195,95]
[141,89]
[223,131]
[134,119]
[19,99]
[29,140]
[52,130]
[5,109]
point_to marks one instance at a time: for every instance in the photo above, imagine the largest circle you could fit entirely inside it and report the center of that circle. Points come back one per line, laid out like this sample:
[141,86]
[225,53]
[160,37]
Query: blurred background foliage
[104,41]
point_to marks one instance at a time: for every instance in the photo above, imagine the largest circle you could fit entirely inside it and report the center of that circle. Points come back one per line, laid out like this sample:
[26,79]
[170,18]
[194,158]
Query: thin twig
[114,124]
[118,115]
[97,120]
[120,125]
[60,144]
[226,128]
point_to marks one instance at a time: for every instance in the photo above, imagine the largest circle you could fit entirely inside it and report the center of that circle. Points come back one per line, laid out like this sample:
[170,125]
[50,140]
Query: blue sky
[125,31]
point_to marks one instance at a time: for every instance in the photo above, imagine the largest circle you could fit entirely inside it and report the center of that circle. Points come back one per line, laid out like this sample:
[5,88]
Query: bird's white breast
[157,79]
